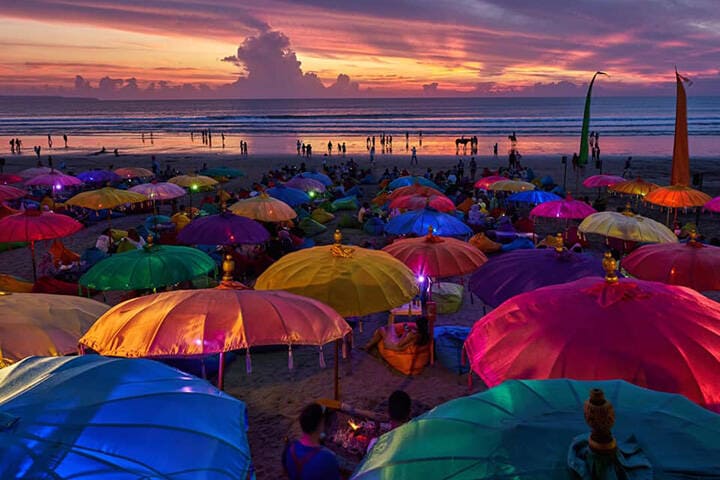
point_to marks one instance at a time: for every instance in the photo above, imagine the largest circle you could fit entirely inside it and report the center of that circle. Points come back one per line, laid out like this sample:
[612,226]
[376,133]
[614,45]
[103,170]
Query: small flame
[353,425]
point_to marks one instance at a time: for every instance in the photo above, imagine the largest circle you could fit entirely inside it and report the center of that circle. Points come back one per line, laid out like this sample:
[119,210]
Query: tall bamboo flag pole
[680,174]
[584,147]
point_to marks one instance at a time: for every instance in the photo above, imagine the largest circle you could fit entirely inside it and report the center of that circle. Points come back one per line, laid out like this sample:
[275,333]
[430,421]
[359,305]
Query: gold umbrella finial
[609,264]
[228,268]
[600,417]
[4,293]
[560,245]
[337,237]
[628,210]
[337,250]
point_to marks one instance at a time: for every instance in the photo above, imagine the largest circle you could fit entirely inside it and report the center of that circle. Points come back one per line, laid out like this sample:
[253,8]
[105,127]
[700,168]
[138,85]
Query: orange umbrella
[634,187]
[134,172]
[416,189]
[437,257]
[484,244]
[677,196]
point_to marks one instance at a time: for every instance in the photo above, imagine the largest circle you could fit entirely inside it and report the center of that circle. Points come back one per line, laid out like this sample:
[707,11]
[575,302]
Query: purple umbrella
[522,271]
[99,176]
[223,229]
[306,184]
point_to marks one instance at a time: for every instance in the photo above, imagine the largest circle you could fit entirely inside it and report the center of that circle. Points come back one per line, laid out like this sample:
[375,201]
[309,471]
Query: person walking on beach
[299,145]
[304,150]
[37,149]
[329,147]
[344,150]
[49,141]
[222,136]
[367,143]
[18,146]
[413,158]
[12,146]
[495,150]
[65,139]
[309,150]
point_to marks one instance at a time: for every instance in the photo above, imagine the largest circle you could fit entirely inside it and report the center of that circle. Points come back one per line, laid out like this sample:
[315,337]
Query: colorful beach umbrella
[535,430]
[13,284]
[692,264]
[291,196]
[534,197]
[627,226]
[320,177]
[10,193]
[306,184]
[34,172]
[42,324]
[102,418]
[417,190]
[437,257]
[159,190]
[602,181]
[654,335]
[485,182]
[417,222]
[223,229]
[526,270]
[193,182]
[638,187]
[567,208]
[134,172]
[352,280]
[105,198]
[410,180]
[441,203]
[220,172]
[6,178]
[54,179]
[99,176]
[511,186]
[713,205]
[148,268]
[677,196]
[264,208]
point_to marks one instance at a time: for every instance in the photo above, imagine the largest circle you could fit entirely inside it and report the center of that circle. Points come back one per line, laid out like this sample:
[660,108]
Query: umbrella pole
[336,384]
[221,370]
[34,264]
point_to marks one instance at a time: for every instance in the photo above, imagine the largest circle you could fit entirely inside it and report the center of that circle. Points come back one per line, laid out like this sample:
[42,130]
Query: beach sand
[273,394]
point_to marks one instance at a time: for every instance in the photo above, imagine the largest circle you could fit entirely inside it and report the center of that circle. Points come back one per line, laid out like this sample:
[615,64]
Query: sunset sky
[271,48]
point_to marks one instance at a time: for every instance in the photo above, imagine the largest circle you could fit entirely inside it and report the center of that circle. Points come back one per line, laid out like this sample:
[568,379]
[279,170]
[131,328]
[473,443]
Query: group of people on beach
[16,145]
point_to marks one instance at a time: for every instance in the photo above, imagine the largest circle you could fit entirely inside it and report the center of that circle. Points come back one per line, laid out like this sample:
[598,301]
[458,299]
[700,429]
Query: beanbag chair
[4,247]
[61,255]
[368,179]
[465,205]
[311,227]
[518,244]
[374,226]
[117,234]
[484,244]
[448,296]
[210,208]
[381,199]
[349,221]
[10,283]
[57,287]
[92,255]
[346,203]
[321,216]
[411,361]
[355,191]
[449,341]
[524,225]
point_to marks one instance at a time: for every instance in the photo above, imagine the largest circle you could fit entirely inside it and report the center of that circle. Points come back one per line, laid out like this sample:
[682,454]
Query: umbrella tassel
[322,358]
[290,357]
[248,361]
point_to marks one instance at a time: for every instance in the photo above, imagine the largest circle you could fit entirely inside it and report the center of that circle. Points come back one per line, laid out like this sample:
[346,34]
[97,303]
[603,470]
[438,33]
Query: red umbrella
[485,182]
[693,264]
[415,189]
[600,181]
[441,203]
[10,193]
[658,336]
[567,208]
[6,178]
[32,225]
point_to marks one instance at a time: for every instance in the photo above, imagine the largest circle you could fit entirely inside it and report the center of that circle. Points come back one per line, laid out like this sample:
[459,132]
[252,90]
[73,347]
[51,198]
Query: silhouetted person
[65,140]
[413,158]
[299,147]
[12,145]
[49,141]
[329,147]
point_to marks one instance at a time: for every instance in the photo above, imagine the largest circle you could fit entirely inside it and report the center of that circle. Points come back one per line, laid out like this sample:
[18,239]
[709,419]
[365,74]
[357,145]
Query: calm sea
[548,125]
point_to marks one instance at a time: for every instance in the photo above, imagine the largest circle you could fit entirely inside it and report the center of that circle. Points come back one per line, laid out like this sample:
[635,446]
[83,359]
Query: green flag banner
[583,154]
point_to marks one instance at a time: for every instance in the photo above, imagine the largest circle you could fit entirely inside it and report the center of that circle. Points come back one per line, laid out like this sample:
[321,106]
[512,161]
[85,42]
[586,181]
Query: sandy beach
[273,394]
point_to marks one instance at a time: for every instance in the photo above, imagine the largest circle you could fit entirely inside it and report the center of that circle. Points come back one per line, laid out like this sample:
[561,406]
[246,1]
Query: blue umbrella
[533,196]
[418,221]
[320,177]
[547,181]
[291,196]
[407,181]
[99,176]
[102,418]
[374,226]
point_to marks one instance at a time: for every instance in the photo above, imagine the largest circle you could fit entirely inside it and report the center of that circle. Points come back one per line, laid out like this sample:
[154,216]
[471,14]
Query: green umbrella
[535,429]
[151,267]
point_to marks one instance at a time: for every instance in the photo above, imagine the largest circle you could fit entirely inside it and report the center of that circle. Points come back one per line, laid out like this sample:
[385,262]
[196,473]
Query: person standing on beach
[222,136]
[329,147]
[367,143]
[37,149]
[413,158]
[12,146]
[65,139]
[49,141]
[344,150]
[299,145]
[495,150]
[309,150]
[18,146]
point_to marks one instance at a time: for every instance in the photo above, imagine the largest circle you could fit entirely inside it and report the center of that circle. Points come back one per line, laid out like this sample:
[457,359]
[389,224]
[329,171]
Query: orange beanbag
[412,360]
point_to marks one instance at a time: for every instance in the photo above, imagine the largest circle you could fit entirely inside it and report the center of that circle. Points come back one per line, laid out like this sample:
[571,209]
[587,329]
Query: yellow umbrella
[677,196]
[354,281]
[627,226]
[105,198]
[511,186]
[634,187]
[264,209]
[43,324]
[193,182]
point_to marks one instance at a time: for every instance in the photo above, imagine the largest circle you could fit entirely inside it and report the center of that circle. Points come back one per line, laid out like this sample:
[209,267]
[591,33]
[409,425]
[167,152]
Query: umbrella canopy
[159,190]
[223,229]
[352,280]
[153,266]
[564,208]
[524,429]
[693,264]
[291,196]
[677,196]
[320,177]
[634,187]
[193,182]
[534,197]
[651,334]
[306,184]
[409,181]
[34,172]
[418,222]
[627,226]
[511,186]
[204,322]
[42,324]
[10,193]
[134,172]
[102,418]
[526,270]
[264,209]
[485,182]
[105,198]
[601,181]
[437,257]
[6,178]
[33,225]
[99,176]
[54,179]
[713,205]
[417,190]
[6,211]
[218,172]
[441,203]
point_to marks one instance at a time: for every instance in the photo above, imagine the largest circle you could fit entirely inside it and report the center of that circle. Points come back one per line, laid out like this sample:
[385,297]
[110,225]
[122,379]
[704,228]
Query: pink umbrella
[34,172]
[566,208]
[713,205]
[485,182]
[600,181]
[658,336]
[56,180]
[10,193]
[305,184]
[6,178]
[159,190]
[418,202]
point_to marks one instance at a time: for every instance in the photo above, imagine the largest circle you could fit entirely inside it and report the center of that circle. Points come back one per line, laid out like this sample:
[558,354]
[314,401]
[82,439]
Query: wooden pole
[221,371]
[34,264]
[337,370]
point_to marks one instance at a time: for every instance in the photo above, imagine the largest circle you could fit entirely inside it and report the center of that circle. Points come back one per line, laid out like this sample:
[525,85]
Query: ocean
[627,125]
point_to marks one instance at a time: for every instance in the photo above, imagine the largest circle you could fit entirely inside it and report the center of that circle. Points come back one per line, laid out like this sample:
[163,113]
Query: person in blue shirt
[306,458]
